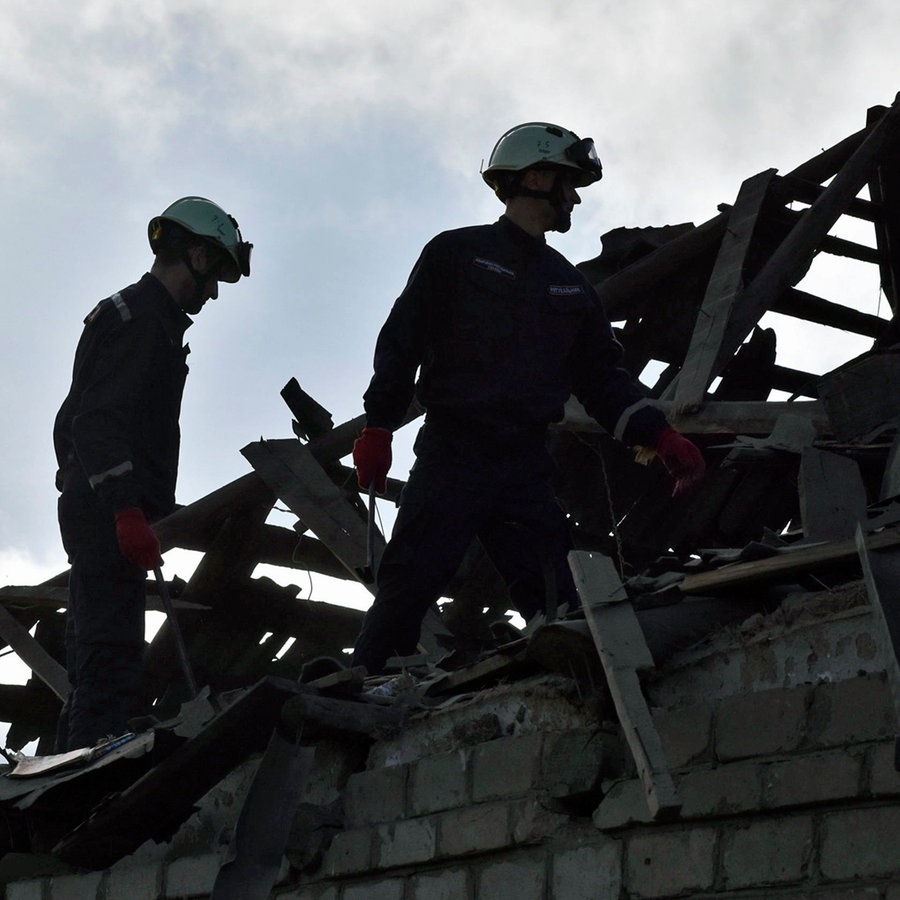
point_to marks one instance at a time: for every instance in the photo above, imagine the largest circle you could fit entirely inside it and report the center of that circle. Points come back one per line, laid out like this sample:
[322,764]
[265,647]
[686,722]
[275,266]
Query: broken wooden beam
[208,512]
[205,516]
[789,188]
[41,596]
[230,560]
[810,308]
[631,286]
[823,165]
[33,654]
[791,259]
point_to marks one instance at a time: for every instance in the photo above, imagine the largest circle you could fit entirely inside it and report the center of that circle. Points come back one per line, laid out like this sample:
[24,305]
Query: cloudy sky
[343,136]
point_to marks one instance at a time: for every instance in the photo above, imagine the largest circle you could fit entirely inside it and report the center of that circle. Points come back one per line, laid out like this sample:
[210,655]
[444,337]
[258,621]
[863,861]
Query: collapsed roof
[803,483]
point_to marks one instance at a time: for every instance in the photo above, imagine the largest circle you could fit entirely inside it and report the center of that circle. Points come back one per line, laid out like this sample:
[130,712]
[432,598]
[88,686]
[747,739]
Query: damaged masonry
[718,719]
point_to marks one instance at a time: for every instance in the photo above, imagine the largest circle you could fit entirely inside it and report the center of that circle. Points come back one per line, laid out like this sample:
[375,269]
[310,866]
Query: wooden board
[785,565]
[790,261]
[295,476]
[620,643]
[722,292]
[33,654]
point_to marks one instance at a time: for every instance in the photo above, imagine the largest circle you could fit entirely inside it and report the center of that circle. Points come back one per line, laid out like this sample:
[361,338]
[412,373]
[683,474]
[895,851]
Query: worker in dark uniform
[117,439]
[501,329]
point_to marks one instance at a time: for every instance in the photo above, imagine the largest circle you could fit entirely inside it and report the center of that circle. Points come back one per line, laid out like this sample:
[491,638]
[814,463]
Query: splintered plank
[293,473]
[722,292]
[810,308]
[623,652]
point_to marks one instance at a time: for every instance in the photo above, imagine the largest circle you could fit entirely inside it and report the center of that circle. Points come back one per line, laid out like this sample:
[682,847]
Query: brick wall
[786,793]
[526,794]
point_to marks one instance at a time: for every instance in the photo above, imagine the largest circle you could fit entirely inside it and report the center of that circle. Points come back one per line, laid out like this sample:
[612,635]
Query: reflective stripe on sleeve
[116,471]
[625,418]
[121,306]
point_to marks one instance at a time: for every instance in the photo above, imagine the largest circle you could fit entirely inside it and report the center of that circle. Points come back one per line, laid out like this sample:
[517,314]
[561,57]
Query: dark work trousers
[464,486]
[104,626]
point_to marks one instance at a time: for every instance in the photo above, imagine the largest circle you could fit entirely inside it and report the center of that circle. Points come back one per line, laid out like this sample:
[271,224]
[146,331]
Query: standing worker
[502,329]
[117,439]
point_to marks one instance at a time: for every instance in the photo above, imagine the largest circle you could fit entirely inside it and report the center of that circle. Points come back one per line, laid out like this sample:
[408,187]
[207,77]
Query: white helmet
[206,220]
[543,145]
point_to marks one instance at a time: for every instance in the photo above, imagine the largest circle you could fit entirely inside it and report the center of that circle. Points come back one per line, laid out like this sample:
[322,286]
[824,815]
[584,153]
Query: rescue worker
[502,329]
[117,440]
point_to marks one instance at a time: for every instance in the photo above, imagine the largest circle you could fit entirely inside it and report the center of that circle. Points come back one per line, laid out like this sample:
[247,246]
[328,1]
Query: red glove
[137,540]
[682,459]
[372,458]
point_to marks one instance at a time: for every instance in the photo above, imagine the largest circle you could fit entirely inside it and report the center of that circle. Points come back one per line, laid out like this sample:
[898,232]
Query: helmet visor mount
[241,252]
[583,154]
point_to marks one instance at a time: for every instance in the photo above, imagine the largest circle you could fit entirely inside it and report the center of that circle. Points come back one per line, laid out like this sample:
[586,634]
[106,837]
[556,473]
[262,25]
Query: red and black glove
[137,540]
[682,459]
[372,458]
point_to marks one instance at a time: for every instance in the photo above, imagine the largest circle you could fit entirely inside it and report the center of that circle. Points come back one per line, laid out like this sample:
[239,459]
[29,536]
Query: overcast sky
[342,136]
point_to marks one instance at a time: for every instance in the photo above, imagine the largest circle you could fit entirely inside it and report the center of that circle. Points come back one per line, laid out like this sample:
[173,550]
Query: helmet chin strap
[554,197]
[199,281]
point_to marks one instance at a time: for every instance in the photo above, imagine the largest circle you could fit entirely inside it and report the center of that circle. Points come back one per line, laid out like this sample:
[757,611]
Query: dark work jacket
[503,329]
[117,433]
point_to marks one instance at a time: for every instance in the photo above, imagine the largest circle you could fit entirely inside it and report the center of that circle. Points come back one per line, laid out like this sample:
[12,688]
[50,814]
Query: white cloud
[342,136]
[20,566]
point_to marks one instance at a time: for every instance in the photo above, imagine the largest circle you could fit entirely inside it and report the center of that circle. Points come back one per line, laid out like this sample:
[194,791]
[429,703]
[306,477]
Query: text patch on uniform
[492,266]
[565,290]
